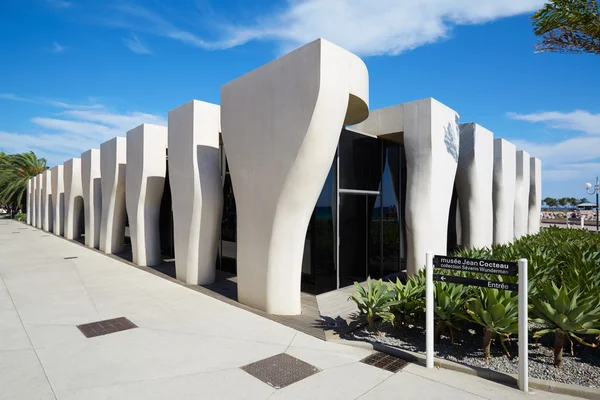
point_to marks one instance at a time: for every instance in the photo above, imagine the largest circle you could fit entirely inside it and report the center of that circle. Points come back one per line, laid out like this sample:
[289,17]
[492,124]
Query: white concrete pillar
[474,178]
[92,196]
[197,194]
[58,199]
[113,160]
[145,177]
[38,201]
[73,199]
[47,211]
[431,143]
[535,195]
[505,172]
[522,194]
[280,126]
[29,200]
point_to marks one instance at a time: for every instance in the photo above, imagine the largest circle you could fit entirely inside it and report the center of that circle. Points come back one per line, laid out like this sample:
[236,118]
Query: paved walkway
[187,346]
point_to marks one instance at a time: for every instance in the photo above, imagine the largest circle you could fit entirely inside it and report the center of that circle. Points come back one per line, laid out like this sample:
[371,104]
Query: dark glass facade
[358,222]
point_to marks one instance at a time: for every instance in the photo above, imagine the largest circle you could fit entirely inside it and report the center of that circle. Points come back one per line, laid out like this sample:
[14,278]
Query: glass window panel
[359,161]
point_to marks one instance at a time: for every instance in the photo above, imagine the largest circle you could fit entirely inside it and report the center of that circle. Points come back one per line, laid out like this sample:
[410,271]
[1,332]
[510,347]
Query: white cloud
[134,44]
[578,120]
[570,159]
[365,27]
[73,130]
[57,48]
[59,3]
[13,97]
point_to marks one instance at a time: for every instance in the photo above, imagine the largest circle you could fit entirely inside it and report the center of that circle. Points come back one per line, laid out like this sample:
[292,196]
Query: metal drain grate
[70,258]
[385,361]
[106,327]
[281,370]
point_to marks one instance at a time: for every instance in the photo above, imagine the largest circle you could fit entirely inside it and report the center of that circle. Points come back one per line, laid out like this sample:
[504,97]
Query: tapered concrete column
[47,212]
[197,194]
[145,177]
[505,172]
[92,196]
[280,126]
[29,200]
[58,199]
[474,178]
[431,143]
[522,194]
[38,201]
[73,199]
[113,160]
[535,195]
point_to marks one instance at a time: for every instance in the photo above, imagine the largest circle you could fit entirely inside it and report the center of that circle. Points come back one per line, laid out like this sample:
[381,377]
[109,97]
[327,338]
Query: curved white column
[113,159]
[38,201]
[431,143]
[58,199]
[92,196]
[47,212]
[29,200]
[73,198]
[474,178]
[522,194]
[197,194]
[505,172]
[145,177]
[280,126]
[535,195]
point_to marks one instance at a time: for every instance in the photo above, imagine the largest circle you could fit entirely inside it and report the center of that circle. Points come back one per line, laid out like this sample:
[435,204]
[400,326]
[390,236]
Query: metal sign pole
[429,309]
[523,327]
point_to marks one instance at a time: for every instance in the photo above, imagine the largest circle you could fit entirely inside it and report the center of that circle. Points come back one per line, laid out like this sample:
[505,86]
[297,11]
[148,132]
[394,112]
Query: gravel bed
[581,369]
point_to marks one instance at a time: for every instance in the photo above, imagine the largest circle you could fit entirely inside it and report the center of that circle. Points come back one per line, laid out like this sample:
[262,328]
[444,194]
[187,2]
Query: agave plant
[497,312]
[566,313]
[409,301]
[449,307]
[374,300]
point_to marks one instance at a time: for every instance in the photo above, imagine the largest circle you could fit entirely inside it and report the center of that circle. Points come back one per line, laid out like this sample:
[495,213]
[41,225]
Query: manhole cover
[281,370]
[385,361]
[106,327]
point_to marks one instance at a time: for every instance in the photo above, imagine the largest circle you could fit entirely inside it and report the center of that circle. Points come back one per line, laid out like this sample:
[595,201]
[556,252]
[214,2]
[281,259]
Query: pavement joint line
[87,292]
[28,338]
[237,338]
[448,385]
[368,390]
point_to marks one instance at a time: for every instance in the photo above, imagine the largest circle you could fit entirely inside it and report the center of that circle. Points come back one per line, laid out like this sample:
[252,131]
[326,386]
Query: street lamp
[596,190]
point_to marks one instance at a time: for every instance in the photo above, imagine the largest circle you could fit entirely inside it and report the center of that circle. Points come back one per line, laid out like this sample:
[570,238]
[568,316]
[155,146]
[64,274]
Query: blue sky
[76,73]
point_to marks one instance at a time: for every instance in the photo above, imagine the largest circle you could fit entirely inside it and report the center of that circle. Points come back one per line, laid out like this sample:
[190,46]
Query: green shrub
[566,313]
[374,300]
[497,312]
[409,301]
[449,305]
[22,217]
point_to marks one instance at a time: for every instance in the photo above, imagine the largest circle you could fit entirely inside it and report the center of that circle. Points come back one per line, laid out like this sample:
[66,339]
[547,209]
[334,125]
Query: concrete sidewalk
[187,346]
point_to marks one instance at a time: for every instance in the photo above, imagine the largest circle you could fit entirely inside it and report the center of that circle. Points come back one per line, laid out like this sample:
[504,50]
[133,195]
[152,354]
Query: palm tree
[15,171]
[573,201]
[550,202]
[563,201]
[568,26]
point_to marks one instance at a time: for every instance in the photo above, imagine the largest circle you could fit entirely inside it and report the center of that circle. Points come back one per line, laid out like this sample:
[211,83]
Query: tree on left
[15,171]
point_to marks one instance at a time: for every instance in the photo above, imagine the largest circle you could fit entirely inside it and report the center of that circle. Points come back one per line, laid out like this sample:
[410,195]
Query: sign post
[429,309]
[523,327]
[483,267]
